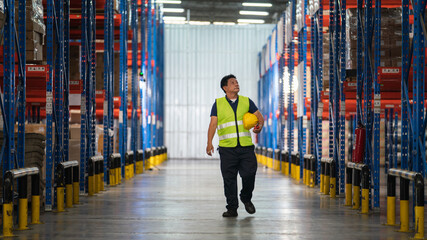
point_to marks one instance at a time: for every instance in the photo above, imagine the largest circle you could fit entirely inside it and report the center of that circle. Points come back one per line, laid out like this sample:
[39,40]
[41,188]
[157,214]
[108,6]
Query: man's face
[232,86]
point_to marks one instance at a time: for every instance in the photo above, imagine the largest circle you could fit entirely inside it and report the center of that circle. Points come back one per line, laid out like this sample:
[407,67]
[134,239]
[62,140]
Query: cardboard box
[75,62]
[75,116]
[74,153]
[99,72]
[35,55]
[75,131]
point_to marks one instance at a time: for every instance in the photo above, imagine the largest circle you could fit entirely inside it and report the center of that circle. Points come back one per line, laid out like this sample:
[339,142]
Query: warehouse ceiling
[225,10]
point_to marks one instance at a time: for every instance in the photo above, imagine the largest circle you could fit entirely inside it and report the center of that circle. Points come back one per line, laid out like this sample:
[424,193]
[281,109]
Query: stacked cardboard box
[74,143]
[75,61]
[391,38]
[99,72]
[34,152]
[326,66]
[36,30]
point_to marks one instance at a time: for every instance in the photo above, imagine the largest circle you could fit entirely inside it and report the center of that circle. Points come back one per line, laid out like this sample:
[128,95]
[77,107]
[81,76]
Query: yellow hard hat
[249,120]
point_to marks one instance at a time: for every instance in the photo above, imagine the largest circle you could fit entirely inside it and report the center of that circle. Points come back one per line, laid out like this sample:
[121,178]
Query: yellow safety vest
[230,124]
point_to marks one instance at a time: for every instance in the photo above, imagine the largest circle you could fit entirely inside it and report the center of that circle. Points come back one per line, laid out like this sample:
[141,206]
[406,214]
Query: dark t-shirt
[252,107]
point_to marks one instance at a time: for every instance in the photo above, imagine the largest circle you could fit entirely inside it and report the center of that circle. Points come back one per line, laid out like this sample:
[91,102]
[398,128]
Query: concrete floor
[183,199]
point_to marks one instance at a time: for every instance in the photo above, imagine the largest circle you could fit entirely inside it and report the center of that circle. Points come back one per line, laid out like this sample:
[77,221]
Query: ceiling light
[257,13]
[174,22]
[224,23]
[169,1]
[199,22]
[259,21]
[250,4]
[173,10]
[170,18]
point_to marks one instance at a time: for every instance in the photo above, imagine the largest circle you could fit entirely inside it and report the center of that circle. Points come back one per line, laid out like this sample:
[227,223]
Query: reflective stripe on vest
[234,135]
[229,124]
[229,128]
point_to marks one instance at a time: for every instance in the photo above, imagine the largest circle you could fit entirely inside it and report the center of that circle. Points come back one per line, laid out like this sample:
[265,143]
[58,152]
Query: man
[236,149]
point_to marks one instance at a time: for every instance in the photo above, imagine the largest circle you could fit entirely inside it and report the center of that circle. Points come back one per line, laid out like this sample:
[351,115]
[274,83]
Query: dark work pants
[240,160]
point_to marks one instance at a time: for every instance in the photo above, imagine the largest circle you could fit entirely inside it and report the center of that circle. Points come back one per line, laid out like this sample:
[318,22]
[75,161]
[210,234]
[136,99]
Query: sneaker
[250,208]
[230,213]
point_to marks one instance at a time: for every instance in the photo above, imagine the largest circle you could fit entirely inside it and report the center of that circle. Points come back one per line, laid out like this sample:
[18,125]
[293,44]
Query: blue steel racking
[14,42]
[317,82]
[135,83]
[302,65]
[291,64]
[57,106]
[108,84]
[281,105]
[87,138]
[337,112]
[123,84]
[377,106]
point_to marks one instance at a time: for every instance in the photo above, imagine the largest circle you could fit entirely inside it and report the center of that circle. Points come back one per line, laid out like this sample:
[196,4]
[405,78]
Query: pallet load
[391,38]
[36,31]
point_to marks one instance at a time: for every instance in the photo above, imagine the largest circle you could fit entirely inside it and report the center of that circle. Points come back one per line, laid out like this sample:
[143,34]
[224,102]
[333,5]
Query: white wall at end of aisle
[196,58]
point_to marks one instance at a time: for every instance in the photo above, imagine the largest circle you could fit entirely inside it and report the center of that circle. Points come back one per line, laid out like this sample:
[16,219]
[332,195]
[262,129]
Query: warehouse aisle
[183,199]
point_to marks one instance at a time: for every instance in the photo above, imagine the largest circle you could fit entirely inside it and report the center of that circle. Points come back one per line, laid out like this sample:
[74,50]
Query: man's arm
[260,124]
[211,133]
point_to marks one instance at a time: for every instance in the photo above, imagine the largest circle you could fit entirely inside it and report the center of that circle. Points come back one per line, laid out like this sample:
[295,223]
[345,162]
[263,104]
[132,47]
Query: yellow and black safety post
[131,164]
[60,188]
[68,175]
[128,162]
[147,156]
[91,177]
[101,175]
[326,185]
[269,157]
[157,157]
[333,179]
[23,203]
[76,183]
[391,200]
[111,171]
[114,165]
[163,154]
[150,162]
[276,160]
[419,206]
[285,162]
[365,188]
[99,170]
[322,176]
[69,187]
[297,166]
[21,175]
[35,199]
[166,153]
[356,188]
[311,161]
[348,186]
[139,163]
[264,156]
[8,205]
[305,175]
[118,167]
[405,178]
[292,165]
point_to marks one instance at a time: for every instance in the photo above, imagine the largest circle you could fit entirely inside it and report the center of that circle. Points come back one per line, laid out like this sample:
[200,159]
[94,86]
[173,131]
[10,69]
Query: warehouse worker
[236,149]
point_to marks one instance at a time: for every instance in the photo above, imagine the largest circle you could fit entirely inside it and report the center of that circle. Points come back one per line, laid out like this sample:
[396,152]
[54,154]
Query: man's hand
[260,124]
[257,129]
[210,149]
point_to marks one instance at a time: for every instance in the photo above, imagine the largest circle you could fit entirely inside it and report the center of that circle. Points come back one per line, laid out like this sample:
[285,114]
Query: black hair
[224,80]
